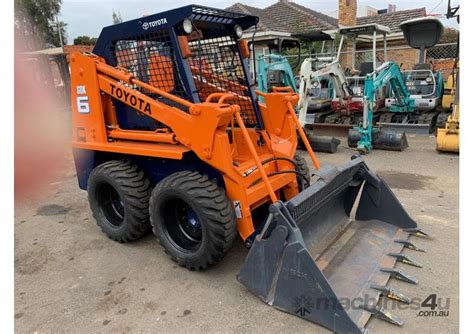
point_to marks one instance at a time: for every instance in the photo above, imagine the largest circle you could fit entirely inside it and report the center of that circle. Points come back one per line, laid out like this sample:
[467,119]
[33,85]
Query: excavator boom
[364,136]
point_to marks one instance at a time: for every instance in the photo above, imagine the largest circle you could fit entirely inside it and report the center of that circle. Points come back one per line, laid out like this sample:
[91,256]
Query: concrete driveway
[70,278]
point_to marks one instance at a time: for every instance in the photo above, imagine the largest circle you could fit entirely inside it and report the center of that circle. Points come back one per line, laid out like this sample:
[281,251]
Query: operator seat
[366,68]
[422,83]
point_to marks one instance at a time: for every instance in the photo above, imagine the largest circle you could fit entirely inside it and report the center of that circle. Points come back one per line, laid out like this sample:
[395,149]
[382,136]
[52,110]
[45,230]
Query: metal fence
[441,56]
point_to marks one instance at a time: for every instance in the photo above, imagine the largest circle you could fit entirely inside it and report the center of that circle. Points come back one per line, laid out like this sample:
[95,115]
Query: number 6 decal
[83,104]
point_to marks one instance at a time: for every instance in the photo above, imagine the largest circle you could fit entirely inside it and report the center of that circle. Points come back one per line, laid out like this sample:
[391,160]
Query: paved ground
[69,277]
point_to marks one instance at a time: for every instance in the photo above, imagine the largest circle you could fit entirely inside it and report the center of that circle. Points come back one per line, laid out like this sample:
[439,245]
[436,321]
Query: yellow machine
[449,90]
[448,138]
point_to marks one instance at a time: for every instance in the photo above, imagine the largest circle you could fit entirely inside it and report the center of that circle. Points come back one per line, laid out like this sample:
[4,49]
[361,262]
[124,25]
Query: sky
[88,17]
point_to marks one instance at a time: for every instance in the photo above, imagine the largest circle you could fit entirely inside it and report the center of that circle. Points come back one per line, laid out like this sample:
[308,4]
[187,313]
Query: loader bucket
[312,260]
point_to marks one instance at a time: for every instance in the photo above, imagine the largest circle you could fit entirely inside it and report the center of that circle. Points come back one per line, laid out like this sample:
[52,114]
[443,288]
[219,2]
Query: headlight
[238,31]
[187,26]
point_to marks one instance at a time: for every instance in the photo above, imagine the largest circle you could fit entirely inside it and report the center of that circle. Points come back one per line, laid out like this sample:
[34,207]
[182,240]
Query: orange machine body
[210,136]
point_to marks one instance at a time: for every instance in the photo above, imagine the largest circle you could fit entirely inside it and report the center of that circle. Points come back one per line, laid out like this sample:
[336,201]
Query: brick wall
[407,57]
[68,49]
[397,53]
[347,12]
[443,65]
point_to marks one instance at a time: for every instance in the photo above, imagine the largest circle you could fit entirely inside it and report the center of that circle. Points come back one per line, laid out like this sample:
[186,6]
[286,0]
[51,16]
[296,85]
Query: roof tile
[291,17]
[393,20]
[287,17]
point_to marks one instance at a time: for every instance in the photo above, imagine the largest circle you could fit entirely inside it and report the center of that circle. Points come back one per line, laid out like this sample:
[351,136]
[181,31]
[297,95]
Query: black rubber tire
[302,167]
[128,219]
[210,205]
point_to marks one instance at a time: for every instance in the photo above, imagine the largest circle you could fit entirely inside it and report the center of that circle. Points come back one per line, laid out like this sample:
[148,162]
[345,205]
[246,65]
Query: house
[287,19]
[398,49]
[284,20]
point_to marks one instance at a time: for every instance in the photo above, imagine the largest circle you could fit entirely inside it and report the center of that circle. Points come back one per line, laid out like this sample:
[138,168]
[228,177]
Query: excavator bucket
[321,144]
[381,139]
[324,144]
[312,260]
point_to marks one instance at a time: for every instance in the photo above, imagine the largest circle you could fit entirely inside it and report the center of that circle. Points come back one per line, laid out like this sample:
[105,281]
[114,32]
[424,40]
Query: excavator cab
[273,69]
[424,84]
[359,70]
[322,90]
[275,73]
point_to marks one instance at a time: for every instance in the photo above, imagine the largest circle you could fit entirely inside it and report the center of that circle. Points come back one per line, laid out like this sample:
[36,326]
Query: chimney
[347,13]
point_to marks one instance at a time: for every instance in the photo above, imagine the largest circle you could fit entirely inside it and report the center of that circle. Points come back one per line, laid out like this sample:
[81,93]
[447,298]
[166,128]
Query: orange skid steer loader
[169,135]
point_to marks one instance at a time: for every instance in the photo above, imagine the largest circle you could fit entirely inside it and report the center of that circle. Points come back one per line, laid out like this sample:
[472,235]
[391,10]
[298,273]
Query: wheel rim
[182,225]
[111,204]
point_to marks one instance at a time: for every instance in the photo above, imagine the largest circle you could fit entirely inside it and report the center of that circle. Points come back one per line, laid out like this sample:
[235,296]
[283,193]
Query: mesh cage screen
[151,59]
[216,68]
[215,65]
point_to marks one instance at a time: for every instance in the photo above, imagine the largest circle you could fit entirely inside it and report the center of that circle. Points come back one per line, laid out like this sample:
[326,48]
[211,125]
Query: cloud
[88,17]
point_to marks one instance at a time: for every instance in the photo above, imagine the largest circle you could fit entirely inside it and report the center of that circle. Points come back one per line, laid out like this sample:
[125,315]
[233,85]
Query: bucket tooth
[398,274]
[391,293]
[405,259]
[311,257]
[418,232]
[410,245]
[383,314]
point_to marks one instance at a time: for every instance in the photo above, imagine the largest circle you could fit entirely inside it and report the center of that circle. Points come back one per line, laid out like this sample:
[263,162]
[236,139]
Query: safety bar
[130,79]
[254,154]
[286,89]
[221,97]
[306,143]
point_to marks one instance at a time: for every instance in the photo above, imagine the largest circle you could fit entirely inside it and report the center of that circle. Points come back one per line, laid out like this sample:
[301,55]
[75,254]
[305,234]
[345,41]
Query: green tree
[450,35]
[85,40]
[36,22]
[116,17]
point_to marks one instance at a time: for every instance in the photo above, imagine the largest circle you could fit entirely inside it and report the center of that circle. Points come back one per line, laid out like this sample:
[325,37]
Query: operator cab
[366,33]
[425,85]
[191,52]
[322,93]
[272,64]
[360,68]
